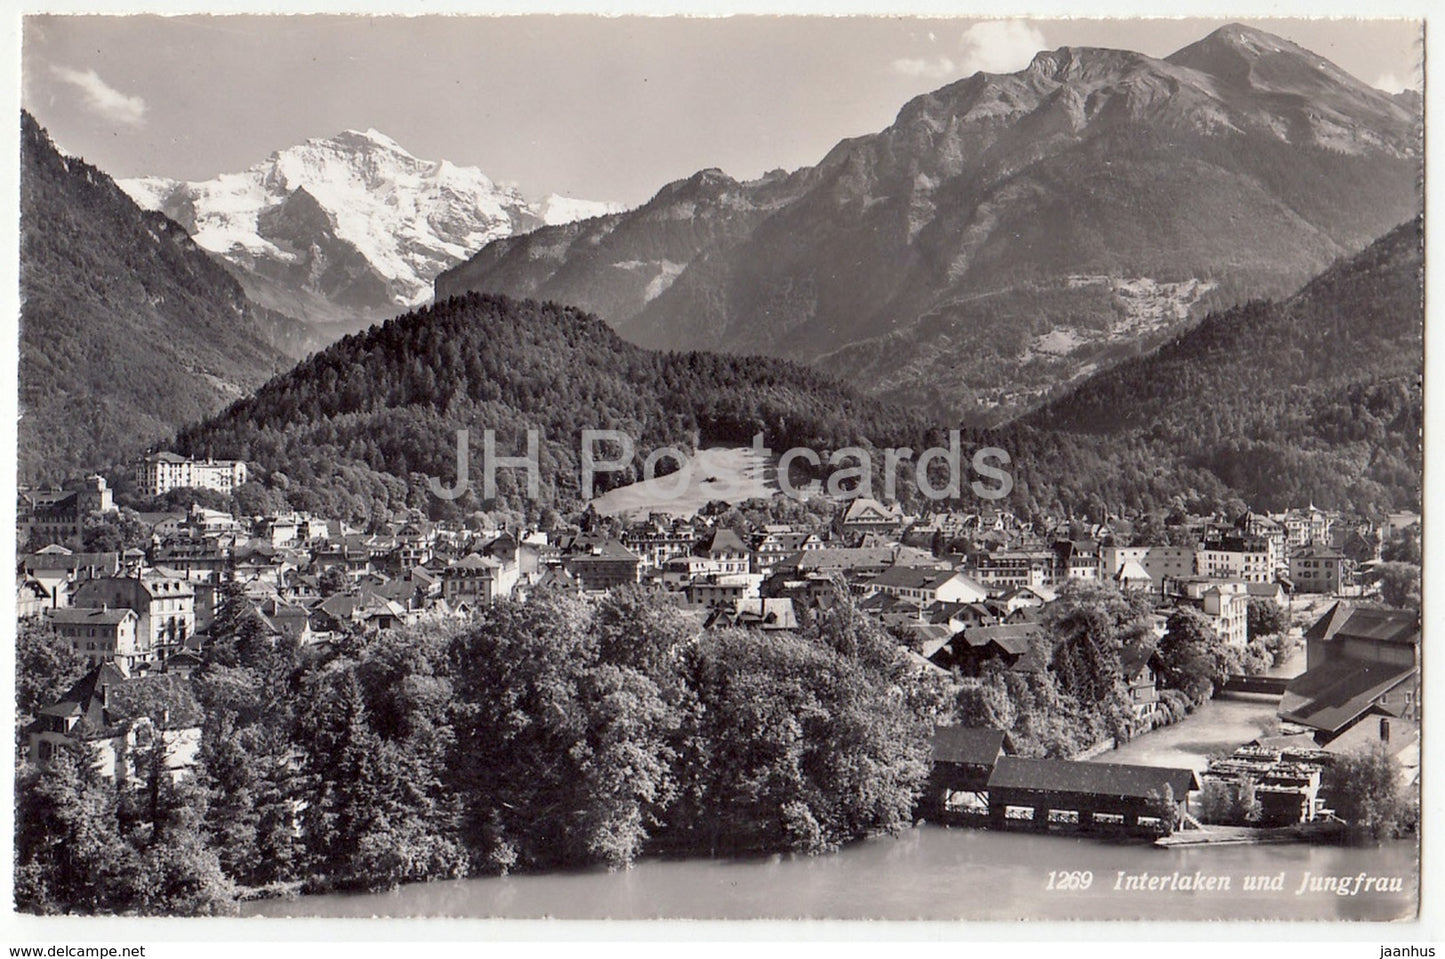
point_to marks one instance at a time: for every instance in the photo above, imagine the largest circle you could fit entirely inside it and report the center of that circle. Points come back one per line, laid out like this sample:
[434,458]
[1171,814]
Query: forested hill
[1314,397]
[127,328]
[357,427]
[1271,404]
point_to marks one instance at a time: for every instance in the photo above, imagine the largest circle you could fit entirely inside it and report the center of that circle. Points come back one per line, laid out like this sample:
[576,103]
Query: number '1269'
[1070,880]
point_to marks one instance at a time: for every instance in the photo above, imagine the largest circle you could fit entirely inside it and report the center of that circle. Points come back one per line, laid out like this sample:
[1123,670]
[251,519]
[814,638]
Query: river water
[929,872]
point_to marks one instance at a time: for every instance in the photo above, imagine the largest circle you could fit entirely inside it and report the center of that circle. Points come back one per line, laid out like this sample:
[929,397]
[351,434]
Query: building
[963,759]
[659,540]
[58,516]
[972,780]
[1132,576]
[165,607]
[603,566]
[1018,647]
[1227,606]
[724,590]
[59,570]
[32,597]
[1317,569]
[1259,526]
[1056,793]
[476,581]
[1305,526]
[1008,569]
[851,562]
[770,615]
[102,635]
[1027,597]
[1286,780]
[1159,563]
[864,515]
[122,717]
[1249,558]
[925,585]
[159,473]
[1137,664]
[197,559]
[771,547]
[726,551]
[1359,662]
[1076,559]
[1269,593]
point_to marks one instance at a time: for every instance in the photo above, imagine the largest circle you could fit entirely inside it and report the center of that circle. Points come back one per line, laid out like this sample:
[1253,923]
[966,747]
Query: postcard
[738,468]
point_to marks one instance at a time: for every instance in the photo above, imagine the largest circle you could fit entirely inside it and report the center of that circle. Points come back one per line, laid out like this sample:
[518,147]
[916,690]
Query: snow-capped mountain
[349,223]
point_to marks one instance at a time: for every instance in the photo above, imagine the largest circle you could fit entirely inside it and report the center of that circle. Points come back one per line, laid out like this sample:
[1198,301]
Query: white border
[378,936]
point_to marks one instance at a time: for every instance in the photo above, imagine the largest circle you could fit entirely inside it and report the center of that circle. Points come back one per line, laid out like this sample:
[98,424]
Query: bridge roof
[1093,779]
[970,745]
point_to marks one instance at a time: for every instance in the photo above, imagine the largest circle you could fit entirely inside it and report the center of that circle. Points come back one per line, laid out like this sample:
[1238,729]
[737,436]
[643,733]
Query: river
[929,872]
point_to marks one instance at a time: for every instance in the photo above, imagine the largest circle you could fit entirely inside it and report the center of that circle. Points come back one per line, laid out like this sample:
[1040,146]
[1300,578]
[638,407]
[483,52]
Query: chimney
[1384,729]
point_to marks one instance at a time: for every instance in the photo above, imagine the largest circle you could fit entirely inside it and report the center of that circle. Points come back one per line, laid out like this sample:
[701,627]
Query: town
[135,596]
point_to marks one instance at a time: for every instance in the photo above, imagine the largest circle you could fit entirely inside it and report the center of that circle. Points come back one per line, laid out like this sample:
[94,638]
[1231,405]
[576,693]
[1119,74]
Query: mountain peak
[1243,54]
[1071,63]
[361,199]
[370,135]
[1244,35]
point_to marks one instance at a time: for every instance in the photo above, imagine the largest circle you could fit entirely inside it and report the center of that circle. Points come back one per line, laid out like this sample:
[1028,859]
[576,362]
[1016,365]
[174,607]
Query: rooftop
[1331,696]
[1098,779]
[967,744]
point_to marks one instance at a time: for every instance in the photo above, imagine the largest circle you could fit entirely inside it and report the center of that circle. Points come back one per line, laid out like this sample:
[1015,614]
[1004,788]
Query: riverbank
[1214,835]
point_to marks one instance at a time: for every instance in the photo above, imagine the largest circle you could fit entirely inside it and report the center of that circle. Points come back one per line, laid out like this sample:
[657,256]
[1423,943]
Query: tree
[791,745]
[1364,789]
[1246,807]
[560,755]
[69,854]
[1193,657]
[114,532]
[333,580]
[255,499]
[1404,548]
[45,668]
[1399,584]
[1216,802]
[236,636]
[1162,806]
[1266,618]
[1090,623]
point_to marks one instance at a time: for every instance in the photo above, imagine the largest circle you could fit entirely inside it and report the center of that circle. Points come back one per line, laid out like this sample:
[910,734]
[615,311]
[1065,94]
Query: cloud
[999,46]
[920,67]
[1393,84]
[994,46]
[102,98]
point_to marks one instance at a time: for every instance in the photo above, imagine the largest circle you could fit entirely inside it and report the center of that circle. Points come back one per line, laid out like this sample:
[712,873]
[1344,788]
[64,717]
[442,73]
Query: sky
[599,108]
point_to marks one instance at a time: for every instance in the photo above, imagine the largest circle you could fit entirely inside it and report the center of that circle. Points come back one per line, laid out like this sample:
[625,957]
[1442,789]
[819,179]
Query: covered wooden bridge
[974,783]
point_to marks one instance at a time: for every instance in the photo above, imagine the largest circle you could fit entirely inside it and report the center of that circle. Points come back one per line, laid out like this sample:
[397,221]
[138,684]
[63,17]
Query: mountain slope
[1010,233]
[615,265]
[358,427]
[1315,397]
[348,228]
[127,328]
